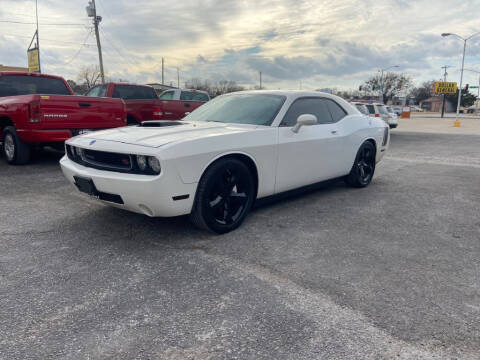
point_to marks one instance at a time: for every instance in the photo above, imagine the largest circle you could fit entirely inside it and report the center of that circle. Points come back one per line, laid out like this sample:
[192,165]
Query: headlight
[78,151]
[142,162]
[154,164]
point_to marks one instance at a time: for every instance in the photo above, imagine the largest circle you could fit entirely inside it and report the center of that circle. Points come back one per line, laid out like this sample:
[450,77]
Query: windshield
[255,109]
[11,85]
[361,108]
[381,110]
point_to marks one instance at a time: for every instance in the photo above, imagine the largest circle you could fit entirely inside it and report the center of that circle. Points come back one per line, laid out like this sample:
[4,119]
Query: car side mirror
[305,119]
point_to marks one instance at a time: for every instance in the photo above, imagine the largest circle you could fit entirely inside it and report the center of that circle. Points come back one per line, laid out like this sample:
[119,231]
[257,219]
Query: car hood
[159,136]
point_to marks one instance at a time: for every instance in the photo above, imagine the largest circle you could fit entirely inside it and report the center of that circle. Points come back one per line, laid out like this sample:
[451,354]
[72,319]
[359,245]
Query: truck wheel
[16,152]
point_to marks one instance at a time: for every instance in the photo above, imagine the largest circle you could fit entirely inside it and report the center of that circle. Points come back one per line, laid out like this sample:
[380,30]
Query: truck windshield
[11,85]
[255,109]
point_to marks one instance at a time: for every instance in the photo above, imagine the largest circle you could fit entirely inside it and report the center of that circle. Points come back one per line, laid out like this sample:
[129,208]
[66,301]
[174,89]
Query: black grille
[103,160]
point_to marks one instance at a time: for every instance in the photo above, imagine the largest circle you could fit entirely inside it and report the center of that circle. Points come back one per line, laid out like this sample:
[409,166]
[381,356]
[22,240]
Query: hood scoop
[161,123]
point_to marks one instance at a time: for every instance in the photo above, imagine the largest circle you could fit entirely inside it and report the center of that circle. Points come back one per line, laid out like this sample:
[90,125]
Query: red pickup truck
[177,103]
[38,109]
[142,100]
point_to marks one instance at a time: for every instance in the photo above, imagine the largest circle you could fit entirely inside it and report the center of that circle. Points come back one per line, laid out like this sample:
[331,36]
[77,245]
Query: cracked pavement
[390,271]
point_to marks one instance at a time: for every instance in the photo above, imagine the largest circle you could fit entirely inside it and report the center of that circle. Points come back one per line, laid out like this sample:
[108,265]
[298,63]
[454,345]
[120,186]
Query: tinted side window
[132,92]
[29,84]
[167,95]
[371,109]
[314,106]
[335,110]
[193,96]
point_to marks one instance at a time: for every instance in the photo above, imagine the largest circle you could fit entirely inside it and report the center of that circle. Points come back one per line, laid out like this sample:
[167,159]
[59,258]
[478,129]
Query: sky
[308,44]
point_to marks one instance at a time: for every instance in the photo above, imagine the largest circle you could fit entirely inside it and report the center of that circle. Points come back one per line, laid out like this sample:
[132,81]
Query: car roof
[126,83]
[295,94]
[25,73]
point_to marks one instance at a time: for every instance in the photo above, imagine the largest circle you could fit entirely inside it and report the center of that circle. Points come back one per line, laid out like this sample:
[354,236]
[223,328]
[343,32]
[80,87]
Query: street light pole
[457,122]
[38,37]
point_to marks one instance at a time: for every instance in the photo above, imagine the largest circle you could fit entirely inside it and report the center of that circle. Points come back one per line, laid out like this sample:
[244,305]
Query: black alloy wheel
[363,169]
[224,196]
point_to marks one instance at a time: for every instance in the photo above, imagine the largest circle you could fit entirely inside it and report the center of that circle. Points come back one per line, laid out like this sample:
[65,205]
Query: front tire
[224,196]
[363,168]
[15,151]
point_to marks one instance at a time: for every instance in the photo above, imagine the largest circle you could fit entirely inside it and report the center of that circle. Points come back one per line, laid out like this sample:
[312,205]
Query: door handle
[186,104]
[334,132]
[84,104]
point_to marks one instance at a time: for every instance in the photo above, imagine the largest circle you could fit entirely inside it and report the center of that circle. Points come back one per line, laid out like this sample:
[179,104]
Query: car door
[312,154]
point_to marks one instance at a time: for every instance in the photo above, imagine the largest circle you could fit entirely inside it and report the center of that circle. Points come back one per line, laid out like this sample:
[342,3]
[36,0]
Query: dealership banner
[33,60]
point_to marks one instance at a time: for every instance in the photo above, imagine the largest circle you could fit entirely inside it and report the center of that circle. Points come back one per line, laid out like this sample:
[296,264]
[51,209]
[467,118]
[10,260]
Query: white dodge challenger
[218,160]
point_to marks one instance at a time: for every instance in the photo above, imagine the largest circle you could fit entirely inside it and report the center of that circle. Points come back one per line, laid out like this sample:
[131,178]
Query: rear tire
[224,196]
[363,168]
[15,151]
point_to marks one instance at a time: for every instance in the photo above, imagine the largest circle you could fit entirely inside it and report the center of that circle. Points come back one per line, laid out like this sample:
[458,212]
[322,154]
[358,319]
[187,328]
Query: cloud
[322,43]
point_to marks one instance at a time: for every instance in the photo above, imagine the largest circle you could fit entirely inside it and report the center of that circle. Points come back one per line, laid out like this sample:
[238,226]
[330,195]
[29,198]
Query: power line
[33,23]
[45,39]
[80,49]
[110,43]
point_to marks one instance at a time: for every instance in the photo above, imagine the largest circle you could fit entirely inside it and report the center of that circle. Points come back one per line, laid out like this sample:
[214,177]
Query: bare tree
[392,83]
[89,76]
[216,88]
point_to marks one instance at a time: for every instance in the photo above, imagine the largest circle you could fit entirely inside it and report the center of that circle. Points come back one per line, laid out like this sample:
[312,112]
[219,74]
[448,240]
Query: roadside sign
[445,87]
[33,63]
[473,87]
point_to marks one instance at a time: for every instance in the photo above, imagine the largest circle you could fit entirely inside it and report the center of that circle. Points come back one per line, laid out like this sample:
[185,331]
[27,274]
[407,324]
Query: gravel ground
[390,271]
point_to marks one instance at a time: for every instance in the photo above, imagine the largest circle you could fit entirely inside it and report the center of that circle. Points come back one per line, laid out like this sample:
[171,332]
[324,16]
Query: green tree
[468,99]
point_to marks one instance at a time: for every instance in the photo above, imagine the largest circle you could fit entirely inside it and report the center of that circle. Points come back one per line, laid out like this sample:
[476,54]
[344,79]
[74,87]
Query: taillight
[35,110]
[157,113]
[377,115]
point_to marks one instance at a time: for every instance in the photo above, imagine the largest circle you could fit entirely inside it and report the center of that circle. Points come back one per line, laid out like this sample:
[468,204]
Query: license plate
[86,185]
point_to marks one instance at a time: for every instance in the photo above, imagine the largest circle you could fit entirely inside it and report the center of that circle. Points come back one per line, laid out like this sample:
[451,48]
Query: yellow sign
[445,87]
[33,61]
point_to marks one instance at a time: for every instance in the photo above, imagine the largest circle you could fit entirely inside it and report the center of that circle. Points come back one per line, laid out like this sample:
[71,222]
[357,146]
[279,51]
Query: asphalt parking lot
[390,271]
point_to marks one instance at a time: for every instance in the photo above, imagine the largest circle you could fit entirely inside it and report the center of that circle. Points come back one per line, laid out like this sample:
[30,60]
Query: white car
[393,117]
[379,110]
[226,154]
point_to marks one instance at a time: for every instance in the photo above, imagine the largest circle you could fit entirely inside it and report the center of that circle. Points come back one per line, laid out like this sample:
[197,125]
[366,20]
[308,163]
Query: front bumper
[164,195]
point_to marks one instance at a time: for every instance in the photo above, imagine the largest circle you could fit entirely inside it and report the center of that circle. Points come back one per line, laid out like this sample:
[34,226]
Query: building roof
[12,68]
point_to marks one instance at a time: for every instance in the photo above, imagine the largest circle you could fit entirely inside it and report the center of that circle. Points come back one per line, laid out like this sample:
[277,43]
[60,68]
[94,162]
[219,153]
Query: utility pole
[444,79]
[38,38]
[260,80]
[92,12]
[178,78]
[162,71]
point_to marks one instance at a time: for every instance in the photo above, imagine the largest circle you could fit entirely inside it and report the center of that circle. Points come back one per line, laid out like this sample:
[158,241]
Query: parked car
[394,116]
[142,100]
[379,110]
[235,149]
[38,109]
[360,107]
[178,103]
[397,110]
